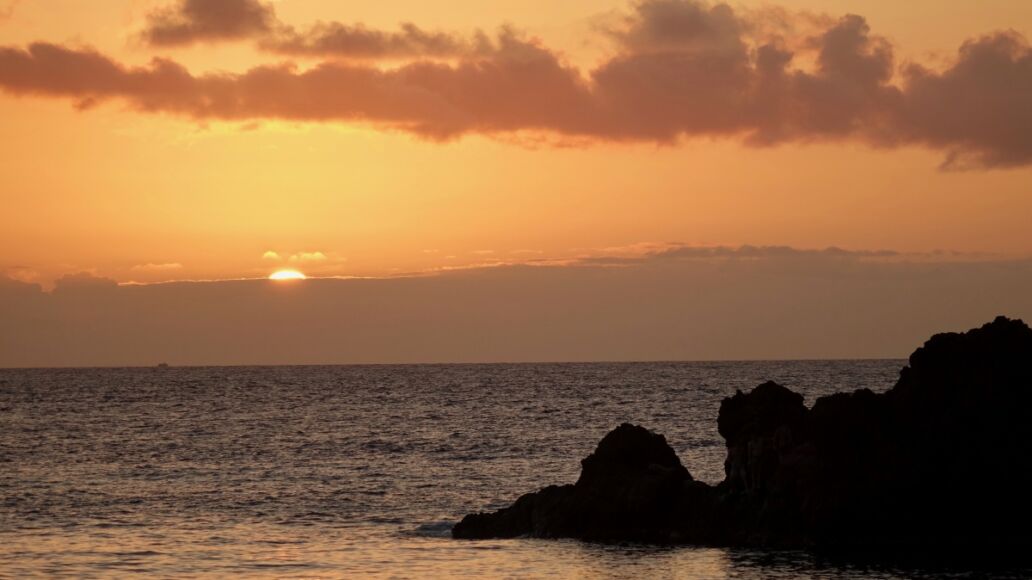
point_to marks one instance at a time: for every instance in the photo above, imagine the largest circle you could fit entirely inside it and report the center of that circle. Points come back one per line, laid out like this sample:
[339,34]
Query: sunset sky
[150,141]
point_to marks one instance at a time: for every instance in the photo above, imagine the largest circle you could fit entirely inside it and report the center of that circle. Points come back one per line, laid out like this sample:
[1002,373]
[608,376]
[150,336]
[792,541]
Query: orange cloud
[980,109]
[684,69]
[163,267]
[356,41]
[191,21]
[308,257]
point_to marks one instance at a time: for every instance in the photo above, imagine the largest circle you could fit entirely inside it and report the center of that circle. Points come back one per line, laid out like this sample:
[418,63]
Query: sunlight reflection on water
[263,551]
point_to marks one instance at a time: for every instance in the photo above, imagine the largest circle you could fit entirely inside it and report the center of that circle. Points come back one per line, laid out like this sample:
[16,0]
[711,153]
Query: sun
[287,275]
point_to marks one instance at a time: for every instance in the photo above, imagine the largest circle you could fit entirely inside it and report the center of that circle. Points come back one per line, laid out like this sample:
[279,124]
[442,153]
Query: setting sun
[287,275]
[685,226]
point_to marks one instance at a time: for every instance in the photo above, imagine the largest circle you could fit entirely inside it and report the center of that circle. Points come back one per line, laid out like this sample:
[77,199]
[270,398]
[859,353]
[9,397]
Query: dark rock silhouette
[941,460]
[624,491]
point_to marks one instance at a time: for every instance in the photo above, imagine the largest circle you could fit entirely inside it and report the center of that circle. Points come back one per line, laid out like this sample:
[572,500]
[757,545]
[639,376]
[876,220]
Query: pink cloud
[683,69]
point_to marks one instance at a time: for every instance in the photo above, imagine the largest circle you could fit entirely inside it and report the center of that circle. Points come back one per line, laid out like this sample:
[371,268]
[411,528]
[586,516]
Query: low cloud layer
[158,267]
[681,69]
[782,254]
[748,252]
[732,303]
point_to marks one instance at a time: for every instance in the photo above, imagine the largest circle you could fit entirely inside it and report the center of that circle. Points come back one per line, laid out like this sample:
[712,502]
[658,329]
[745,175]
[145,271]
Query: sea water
[339,471]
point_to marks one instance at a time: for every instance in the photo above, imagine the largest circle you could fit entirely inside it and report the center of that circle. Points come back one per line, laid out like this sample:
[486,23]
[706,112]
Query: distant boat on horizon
[163,365]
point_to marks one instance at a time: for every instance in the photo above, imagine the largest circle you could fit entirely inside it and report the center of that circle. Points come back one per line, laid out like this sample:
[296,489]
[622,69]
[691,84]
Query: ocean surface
[327,472]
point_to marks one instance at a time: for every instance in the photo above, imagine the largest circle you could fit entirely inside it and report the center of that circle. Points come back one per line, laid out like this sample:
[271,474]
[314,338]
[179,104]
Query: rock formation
[942,459]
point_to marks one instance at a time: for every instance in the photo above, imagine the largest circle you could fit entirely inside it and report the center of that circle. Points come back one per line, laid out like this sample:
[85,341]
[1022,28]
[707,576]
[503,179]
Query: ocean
[341,471]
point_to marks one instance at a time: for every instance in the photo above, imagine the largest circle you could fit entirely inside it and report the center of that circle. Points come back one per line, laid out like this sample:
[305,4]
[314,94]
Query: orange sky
[144,195]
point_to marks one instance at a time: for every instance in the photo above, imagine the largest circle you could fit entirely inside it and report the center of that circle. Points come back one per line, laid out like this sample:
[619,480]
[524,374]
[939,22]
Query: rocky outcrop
[625,491]
[942,459]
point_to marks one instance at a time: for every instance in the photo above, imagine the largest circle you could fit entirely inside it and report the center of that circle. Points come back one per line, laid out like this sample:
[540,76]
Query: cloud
[750,252]
[304,257]
[785,303]
[190,21]
[20,273]
[12,286]
[661,26]
[524,87]
[164,267]
[682,69]
[312,258]
[356,41]
[645,253]
[308,257]
[978,109]
[83,282]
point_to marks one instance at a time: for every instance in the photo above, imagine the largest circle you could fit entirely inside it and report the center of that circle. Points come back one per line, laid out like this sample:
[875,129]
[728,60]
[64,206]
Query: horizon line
[156,366]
